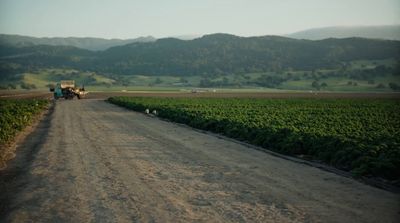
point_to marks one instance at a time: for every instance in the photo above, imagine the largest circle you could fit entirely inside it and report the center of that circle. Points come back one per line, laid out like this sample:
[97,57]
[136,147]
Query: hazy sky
[161,18]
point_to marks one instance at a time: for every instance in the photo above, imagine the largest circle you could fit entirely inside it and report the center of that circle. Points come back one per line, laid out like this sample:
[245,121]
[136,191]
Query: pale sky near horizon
[162,18]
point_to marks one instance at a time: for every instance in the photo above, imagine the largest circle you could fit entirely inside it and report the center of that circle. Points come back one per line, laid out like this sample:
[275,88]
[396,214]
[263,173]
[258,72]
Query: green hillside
[213,61]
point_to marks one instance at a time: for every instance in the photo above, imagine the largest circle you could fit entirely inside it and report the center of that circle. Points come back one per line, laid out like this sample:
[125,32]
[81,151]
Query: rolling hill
[210,54]
[389,32]
[229,54]
[88,43]
[212,60]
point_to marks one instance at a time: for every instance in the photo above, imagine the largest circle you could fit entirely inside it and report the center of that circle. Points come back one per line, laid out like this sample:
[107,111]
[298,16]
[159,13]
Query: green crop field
[16,114]
[357,135]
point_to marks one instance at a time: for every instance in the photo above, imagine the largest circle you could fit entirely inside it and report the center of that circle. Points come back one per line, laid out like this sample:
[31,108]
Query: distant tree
[396,70]
[27,86]
[315,85]
[315,76]
[225,81]
[269,81]
[350,83]
[323,85]
[289,75]
[381,69]
[12,86]
[322,76]
[355,84]
[380,85]
[313,71]
[183,80]
[205,82]
[394,86]
[296,78]
[158,81]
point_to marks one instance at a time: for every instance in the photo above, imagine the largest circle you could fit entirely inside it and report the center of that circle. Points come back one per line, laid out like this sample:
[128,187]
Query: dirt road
[90,161]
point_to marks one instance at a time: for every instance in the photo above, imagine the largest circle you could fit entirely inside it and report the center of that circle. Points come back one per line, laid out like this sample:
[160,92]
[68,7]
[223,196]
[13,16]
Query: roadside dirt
[90,161]
[7,150]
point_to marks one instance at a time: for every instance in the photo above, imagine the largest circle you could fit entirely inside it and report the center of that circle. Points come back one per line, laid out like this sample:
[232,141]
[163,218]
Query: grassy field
[358,135]
[341,84]
[292,80]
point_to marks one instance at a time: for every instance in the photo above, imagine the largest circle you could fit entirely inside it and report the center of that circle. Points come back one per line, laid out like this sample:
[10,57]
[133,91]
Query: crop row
[356,135]
[17,114]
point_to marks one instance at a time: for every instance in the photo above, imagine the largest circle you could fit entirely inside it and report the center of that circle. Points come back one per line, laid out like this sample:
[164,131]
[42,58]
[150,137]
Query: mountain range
[89,43]
[390,32]
[99,44]
[210,54]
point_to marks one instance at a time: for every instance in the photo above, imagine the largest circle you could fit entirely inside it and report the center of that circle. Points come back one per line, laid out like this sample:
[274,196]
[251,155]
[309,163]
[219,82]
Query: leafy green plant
[16,114]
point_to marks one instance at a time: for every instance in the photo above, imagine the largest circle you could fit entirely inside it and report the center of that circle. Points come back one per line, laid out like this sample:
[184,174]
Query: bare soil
[90,161]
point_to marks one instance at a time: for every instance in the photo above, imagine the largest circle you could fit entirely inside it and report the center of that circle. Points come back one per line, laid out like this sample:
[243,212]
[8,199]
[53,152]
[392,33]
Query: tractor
[66,89]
